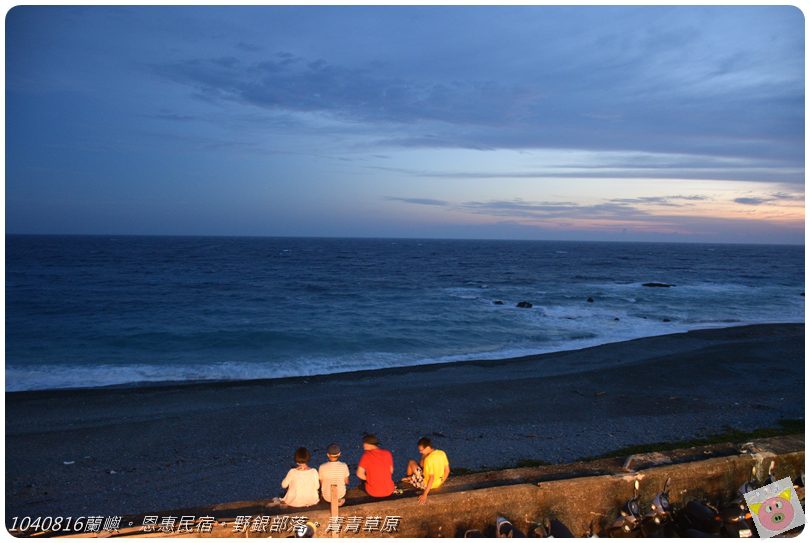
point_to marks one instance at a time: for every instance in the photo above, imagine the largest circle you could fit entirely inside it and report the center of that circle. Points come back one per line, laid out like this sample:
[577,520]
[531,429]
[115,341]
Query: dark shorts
[362,487]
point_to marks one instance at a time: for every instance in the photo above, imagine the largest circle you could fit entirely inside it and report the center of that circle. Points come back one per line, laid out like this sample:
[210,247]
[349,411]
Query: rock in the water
[498,302]
[524,304]
[590,300]
[615,318]
[657,285]
[666,320]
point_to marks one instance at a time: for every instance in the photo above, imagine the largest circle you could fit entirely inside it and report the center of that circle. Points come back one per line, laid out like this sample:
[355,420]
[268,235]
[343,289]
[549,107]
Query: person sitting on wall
[333,472]
[301,482]
[375,469]
[430,472]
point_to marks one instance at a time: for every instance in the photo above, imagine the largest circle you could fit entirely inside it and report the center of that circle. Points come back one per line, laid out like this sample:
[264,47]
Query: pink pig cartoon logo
[775,508]
[775,513]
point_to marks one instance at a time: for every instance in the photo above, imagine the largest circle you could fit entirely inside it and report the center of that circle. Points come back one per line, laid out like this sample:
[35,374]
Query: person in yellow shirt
[431,471]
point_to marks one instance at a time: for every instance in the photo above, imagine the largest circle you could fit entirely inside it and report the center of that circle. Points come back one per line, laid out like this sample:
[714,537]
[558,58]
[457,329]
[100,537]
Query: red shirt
[378,464]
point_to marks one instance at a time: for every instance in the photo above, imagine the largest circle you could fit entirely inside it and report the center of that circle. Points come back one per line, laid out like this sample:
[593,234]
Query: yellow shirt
[434,464]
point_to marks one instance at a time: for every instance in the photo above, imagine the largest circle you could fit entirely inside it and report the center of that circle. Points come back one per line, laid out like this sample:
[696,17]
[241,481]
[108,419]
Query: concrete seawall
[575,494]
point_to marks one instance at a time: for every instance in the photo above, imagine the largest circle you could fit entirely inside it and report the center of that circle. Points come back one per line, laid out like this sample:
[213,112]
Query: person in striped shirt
[333,472]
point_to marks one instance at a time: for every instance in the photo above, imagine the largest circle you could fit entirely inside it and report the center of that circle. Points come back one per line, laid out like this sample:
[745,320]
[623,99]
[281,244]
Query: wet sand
[115,451]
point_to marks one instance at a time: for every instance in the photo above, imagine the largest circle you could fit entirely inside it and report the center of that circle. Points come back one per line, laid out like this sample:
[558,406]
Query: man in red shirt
[375,468]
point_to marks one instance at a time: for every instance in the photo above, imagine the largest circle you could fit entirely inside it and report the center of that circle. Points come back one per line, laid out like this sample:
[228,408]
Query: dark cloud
[555,210]
[751,201]
[713,83]
[660,200]
[419,201]
[788,197]
[249,47]
[591,102]
[629,209]
[625,214]
[775,197]
[171,117]
[293,83]
[539,210]
[582,171]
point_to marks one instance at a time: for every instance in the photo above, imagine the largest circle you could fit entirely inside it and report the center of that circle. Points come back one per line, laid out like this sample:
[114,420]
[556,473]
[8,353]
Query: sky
[604,123]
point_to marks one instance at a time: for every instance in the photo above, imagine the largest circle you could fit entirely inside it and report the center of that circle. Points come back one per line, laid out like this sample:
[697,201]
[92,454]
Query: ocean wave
[71,376]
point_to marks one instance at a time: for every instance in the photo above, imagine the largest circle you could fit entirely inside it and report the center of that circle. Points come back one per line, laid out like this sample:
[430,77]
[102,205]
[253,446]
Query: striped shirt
[333,473]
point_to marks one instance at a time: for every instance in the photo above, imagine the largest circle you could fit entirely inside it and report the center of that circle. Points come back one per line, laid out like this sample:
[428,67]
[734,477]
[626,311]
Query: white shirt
[302,485]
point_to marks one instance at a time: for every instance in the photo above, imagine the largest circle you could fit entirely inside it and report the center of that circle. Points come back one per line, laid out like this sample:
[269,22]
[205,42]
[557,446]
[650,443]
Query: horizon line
[268,236]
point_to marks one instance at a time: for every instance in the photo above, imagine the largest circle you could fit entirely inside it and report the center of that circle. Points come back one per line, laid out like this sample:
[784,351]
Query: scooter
[628,524]
[593,529]
[504,528]
[798,485]
[736,517]
[551,528]
[771,478]
[700,519]
[659,521]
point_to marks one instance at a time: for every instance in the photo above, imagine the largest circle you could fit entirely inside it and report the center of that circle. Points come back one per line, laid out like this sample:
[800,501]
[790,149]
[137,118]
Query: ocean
[88,311]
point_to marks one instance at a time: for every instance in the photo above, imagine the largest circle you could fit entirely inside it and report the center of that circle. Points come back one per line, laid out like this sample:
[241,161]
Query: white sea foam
[67,376]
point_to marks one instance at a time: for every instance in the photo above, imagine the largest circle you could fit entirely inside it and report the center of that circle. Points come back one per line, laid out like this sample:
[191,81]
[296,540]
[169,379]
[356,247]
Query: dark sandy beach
[121,451]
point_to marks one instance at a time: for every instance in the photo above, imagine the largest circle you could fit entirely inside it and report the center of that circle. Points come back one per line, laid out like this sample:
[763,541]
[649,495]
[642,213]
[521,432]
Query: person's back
[333,472]
[436,464]
[431,471]
[301,482]
[376,467]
